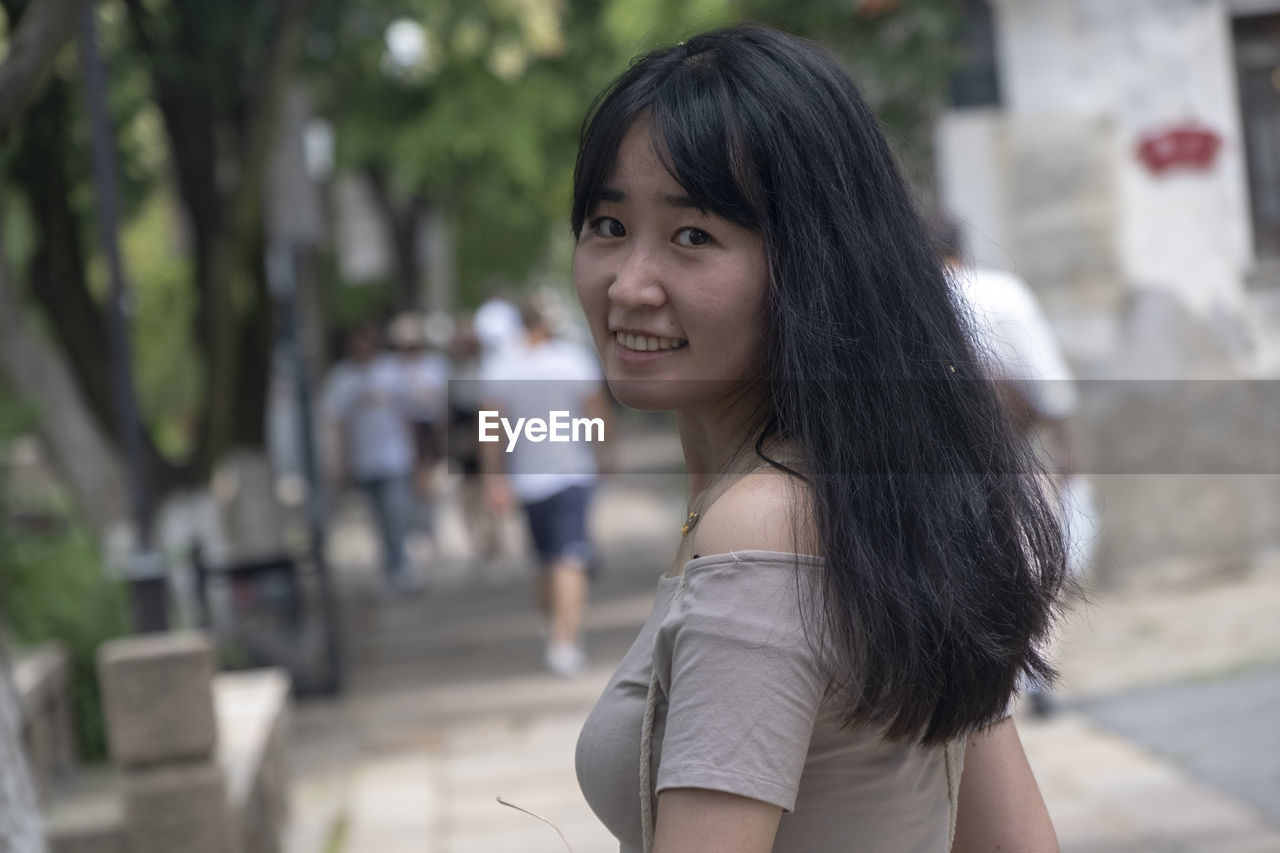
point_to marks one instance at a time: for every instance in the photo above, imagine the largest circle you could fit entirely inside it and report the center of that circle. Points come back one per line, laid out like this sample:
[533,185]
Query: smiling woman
[868,564]
[672,291]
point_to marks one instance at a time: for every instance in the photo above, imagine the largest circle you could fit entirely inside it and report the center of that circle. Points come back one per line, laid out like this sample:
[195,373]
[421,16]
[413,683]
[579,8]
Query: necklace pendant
[689,523]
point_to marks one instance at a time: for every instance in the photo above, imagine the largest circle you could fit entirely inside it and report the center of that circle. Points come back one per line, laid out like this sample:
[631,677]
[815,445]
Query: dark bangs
[691,107]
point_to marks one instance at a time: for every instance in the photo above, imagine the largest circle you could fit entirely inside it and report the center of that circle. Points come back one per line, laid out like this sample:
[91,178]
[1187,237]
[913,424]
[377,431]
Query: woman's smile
[647,343]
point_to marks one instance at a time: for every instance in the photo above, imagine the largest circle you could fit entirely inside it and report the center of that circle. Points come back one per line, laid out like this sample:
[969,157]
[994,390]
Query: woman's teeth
[644,343]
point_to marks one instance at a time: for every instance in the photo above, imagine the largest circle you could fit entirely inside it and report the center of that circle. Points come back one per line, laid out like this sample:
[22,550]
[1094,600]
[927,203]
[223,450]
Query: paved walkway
[448,707]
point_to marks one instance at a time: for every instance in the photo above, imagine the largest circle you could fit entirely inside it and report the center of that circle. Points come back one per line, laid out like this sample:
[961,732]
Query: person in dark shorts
[552,481]
[558,525]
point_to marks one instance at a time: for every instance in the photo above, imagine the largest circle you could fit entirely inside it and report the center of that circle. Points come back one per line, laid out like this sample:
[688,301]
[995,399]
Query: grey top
[742,709]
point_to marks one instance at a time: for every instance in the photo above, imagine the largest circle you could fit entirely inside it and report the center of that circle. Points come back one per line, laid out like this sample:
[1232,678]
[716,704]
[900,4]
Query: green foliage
[352,304]
[167,364]
[482,127]
[55,590]
[52,586]
[901,58]
[486,124]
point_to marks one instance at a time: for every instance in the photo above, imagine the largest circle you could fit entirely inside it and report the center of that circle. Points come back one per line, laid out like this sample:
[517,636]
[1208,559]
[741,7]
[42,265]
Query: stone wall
[42,678]
[199,759]
[1186,472]
[1141,272]
[1144,65]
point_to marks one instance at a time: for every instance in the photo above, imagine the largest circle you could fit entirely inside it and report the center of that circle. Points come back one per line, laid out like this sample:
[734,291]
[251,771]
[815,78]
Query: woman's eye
[692,237]
[607,226]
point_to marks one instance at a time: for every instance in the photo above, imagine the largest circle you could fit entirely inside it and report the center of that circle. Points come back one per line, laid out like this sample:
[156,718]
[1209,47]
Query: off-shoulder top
[742,707]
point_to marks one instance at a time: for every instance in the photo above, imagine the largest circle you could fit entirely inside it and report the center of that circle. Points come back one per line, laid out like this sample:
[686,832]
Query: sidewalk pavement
[448,708]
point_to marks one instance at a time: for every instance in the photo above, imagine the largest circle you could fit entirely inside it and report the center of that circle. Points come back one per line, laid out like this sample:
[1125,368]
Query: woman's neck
[717,439]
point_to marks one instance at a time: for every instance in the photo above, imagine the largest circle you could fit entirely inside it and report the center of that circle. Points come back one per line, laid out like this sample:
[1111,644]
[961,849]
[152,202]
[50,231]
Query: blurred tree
[39,369]
[901,52]
[32,48]
[194,92]
[468,109]
[472,107]
[217,75]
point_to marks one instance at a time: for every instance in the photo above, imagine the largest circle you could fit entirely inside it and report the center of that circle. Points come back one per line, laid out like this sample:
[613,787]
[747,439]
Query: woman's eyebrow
[669,200]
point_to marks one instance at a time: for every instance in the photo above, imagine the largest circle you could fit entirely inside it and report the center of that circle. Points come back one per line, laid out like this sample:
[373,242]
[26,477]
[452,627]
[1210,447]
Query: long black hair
[943,558]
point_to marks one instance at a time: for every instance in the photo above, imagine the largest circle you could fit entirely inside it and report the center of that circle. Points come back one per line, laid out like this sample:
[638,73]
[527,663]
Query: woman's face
[675,297]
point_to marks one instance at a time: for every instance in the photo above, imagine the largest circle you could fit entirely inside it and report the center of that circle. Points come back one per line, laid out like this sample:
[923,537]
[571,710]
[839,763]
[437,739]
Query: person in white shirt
[363,403]
[497,324]
[552,481]
[1022,354]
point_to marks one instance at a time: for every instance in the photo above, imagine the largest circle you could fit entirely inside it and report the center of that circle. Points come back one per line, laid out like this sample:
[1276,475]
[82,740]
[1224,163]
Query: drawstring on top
[646,763]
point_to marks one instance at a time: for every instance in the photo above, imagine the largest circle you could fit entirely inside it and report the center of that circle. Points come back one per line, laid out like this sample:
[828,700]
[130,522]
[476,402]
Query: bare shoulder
[767,510]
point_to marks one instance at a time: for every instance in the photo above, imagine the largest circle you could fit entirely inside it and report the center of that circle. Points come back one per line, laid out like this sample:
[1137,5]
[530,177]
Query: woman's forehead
[638,169]
[676,162]
[636,152]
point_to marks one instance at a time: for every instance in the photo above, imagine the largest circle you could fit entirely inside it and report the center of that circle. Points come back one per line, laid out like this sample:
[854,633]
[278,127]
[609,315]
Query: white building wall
[971,177]
[1144,65]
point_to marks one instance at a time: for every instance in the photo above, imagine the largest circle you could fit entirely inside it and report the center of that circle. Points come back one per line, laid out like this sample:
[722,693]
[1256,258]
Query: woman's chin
[646,395]
[651,394]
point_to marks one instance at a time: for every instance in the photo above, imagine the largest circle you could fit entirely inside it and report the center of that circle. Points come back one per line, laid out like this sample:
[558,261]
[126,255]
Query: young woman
[868,562]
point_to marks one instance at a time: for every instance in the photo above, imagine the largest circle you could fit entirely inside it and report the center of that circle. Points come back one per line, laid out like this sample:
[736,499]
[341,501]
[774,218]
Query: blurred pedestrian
[482,526]
[425,377]
[363,403]
[496,323]
[552,481]
[1021,353]
[863,572]
[1018,345]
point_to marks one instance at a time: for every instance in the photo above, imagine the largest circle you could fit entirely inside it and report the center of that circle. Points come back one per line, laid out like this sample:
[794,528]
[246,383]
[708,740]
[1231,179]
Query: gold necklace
[689,524]
[691,521]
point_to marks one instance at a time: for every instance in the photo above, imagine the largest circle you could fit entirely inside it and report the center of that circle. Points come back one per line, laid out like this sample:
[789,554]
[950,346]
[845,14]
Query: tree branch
[42,30]
[233,270]
[140,23]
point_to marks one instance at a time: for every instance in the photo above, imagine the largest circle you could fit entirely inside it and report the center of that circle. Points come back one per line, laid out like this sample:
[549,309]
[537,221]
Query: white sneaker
[565,659]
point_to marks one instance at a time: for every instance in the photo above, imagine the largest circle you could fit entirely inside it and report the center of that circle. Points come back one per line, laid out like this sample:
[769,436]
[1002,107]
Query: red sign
[1184,147]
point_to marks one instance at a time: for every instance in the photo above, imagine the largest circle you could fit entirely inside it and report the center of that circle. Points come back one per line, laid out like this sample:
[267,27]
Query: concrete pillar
[158,706]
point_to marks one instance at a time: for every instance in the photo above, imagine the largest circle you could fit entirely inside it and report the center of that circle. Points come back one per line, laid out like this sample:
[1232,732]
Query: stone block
[181,807]
[86,814]
[253,717]
[39,740]
[157,698]
[41,678]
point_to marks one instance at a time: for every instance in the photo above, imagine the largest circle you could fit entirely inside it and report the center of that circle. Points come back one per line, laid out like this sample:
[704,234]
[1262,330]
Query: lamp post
[145,570]
[294,230]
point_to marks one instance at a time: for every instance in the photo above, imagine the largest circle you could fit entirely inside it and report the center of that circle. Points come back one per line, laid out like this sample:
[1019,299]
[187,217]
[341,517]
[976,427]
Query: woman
[867,564]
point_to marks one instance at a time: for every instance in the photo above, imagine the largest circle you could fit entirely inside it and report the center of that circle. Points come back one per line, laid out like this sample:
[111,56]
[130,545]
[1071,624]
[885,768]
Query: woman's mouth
[647,343]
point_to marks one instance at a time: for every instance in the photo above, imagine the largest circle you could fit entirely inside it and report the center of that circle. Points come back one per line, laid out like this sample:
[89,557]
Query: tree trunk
[404,223]
[42,28]
[56,273]
[34,43]
[74,438]
[56,276]
[79,449]
[234,319]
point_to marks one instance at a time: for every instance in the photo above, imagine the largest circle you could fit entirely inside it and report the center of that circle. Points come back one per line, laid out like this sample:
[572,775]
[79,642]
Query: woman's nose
[638,282]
